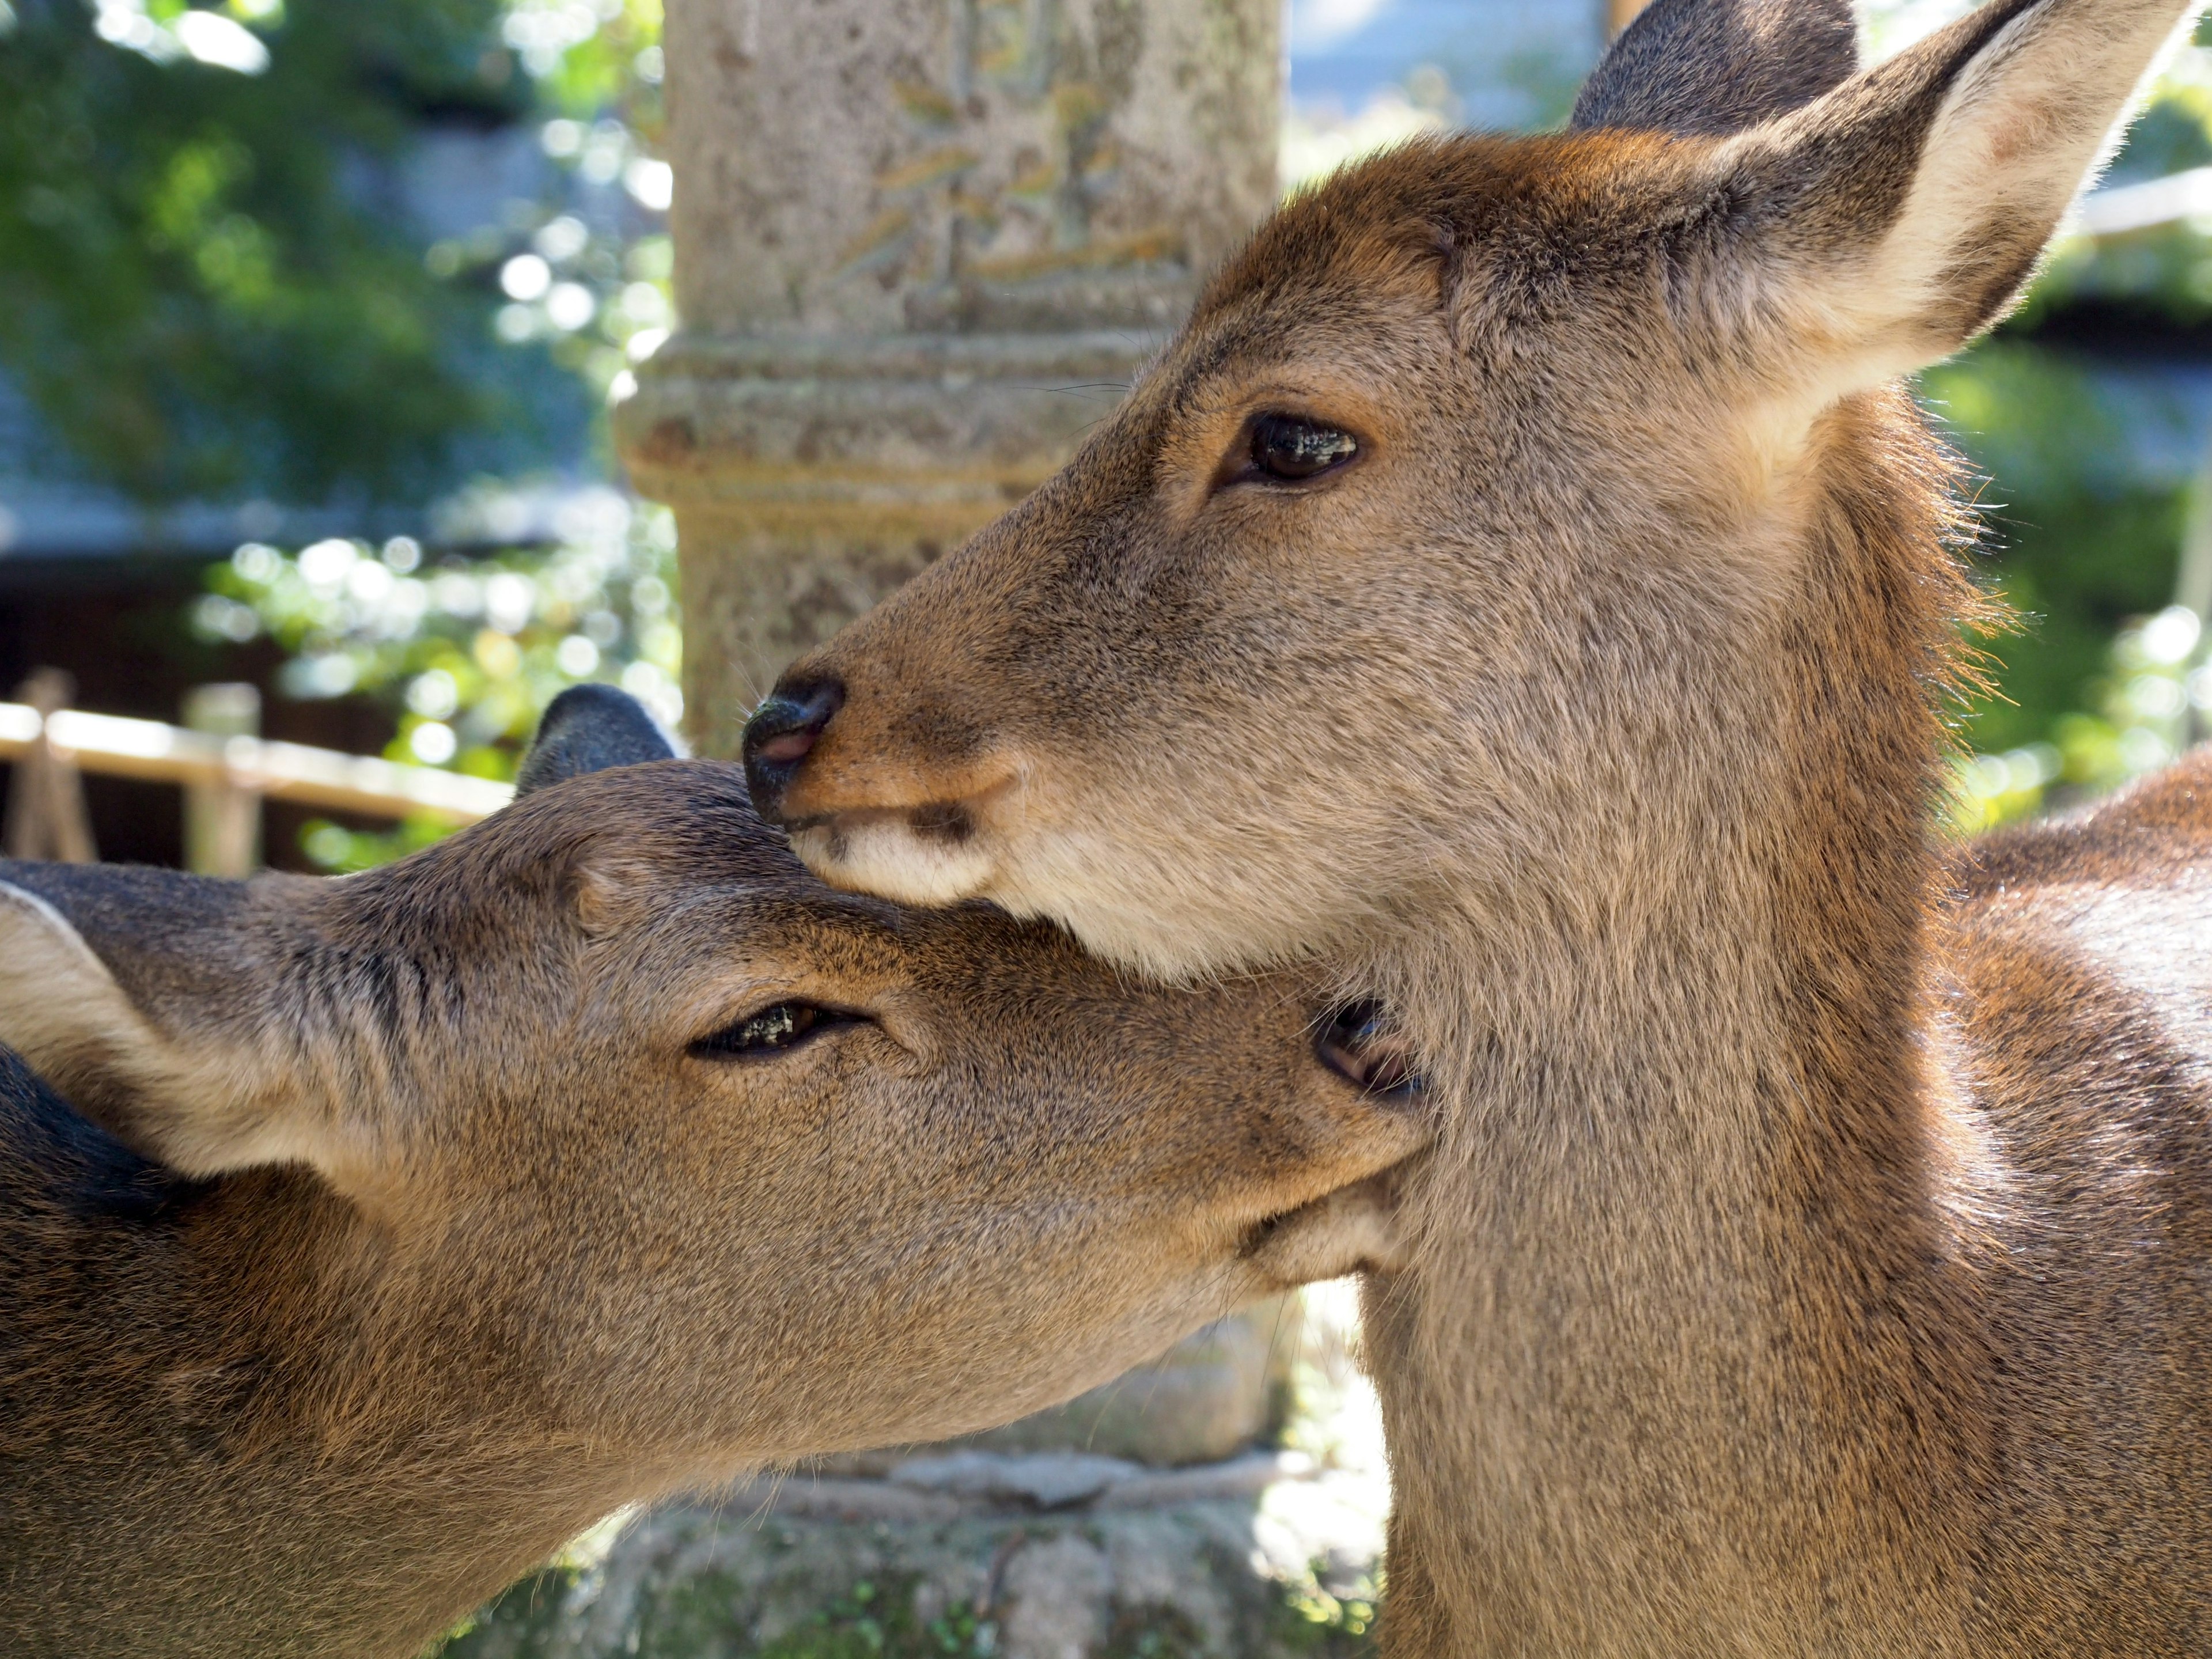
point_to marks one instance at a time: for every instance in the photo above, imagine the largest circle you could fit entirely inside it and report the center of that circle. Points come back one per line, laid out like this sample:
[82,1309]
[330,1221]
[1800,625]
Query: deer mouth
[1361,1042]
[1357,1229]
[932,852]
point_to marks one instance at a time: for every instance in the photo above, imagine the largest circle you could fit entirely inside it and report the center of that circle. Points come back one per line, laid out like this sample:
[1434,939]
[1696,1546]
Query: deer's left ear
[170,1009]
[1880,228]
[589,728]
[1718,66]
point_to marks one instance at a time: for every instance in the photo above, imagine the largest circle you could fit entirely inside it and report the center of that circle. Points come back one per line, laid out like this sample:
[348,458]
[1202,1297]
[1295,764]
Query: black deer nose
[780,735]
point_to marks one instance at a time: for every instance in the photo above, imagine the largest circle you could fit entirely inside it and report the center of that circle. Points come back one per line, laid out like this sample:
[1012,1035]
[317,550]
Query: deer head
[659,1141]
[1459,552]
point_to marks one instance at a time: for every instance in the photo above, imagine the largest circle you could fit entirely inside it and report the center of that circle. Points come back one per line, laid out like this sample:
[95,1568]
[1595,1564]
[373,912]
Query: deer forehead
[1520,298]
[1556,215]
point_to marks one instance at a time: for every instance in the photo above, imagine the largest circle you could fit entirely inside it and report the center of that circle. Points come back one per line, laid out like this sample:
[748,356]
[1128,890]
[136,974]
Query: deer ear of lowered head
[217,1025]
[1881,226]
[157,1005]
[589,728]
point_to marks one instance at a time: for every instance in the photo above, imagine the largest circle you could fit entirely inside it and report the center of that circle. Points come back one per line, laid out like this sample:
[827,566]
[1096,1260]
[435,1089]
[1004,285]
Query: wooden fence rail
[48,744]
[119,747]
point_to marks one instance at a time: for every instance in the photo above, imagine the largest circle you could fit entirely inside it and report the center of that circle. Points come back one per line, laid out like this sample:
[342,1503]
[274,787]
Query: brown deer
[416,1219]
[1525,585]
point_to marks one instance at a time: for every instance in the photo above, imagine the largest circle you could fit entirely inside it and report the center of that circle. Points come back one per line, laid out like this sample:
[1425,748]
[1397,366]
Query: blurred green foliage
[192,293]
[2074,545]
[2084,530]
[208,287]
[2083,552]
[595,298]
[465,651]
[214,298]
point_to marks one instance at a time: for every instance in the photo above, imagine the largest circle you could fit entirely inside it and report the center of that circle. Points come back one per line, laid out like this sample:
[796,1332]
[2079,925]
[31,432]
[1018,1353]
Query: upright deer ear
[1718,66]
[170,1013]
[1882,227]
[588,728]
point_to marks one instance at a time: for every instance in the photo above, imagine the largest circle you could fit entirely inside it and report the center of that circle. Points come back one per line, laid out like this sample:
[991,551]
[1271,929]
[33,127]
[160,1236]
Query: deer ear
[588,728]
[165,1010]
[1718,66]
[1886,224]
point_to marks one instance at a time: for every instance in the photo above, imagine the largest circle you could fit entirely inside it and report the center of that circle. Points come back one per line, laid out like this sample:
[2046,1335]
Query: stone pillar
[920,245]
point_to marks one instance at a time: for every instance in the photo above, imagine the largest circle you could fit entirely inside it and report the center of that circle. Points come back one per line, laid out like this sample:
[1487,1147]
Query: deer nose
[780,734]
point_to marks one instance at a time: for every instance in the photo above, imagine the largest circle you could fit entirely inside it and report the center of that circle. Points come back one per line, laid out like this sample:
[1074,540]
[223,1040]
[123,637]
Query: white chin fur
[1356,1230]
[1166,925]
[885,857]
[1162,920]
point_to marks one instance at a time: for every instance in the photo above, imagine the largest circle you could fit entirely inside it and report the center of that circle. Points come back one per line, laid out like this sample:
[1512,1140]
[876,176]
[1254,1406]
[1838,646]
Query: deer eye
[1360,1041]
[771,1031]
[1292,448]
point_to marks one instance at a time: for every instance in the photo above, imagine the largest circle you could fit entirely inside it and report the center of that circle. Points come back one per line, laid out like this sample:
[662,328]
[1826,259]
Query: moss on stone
[691,1584]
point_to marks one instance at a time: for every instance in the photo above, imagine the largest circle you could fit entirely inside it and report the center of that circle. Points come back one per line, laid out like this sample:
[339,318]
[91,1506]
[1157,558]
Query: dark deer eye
[770,1031]
[1290,448]
[1361,1042]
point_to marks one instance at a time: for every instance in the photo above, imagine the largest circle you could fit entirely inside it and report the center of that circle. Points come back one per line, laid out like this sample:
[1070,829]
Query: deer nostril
[1361,1043]
[791,746]
[782,733]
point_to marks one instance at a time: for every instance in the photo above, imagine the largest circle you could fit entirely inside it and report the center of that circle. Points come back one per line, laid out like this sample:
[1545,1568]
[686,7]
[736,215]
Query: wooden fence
[225,770]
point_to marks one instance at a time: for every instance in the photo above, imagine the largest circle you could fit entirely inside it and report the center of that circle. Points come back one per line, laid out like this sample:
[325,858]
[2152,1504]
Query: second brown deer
[396,1227]
[1524,585]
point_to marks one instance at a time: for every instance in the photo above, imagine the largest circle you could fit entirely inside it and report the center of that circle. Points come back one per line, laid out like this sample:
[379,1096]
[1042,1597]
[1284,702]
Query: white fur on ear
[1903,213]
[203,1106]
[2026,122]
[44,919]
[62,1010]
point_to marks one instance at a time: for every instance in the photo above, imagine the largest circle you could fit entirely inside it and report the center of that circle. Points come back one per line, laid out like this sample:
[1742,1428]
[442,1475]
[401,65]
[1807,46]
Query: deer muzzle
[873,815]
[782,733]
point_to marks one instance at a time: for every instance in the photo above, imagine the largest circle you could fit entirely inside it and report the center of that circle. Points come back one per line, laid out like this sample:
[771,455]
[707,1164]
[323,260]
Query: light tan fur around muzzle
[1815,1258]
[467,1204]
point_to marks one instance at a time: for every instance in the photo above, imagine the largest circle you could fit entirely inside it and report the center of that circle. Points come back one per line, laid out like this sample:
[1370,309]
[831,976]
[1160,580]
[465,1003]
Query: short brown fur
[533,1256]
[1816,1259]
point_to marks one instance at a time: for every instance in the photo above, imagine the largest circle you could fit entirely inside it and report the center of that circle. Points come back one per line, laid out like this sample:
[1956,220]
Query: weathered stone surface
[965,1553]
[883,167]
[783,1574]
[1215,1393]
[1048,1480]
[920,246]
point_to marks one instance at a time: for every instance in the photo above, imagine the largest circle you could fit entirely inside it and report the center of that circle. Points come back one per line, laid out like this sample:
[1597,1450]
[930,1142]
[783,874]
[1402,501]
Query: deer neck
[266,1400]
[1686,1234]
